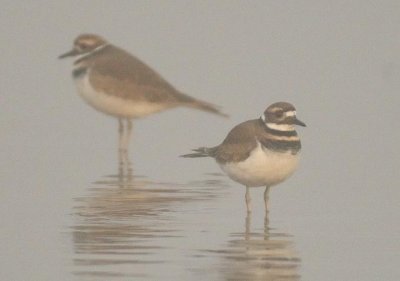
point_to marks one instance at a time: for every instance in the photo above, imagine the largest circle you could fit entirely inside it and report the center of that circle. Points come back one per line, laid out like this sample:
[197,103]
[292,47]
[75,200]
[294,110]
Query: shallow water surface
[60,225]
[130,227]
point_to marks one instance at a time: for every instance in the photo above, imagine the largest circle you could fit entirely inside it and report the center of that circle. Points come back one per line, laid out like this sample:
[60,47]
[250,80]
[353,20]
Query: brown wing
[124,75]
[238,144]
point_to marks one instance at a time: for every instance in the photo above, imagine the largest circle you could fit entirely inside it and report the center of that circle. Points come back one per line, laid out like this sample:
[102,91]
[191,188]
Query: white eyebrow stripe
[291,113]
[78,58]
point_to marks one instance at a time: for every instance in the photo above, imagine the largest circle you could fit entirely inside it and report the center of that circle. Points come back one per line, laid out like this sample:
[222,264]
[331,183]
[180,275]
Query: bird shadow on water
[124,224]
[265,255]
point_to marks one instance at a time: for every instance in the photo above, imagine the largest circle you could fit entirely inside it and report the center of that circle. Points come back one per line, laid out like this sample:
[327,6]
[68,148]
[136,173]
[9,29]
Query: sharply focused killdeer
[119,84]
[259,152]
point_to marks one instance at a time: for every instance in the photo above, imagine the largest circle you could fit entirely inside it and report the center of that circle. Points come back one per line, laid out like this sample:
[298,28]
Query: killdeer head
[85,44]
[281,116]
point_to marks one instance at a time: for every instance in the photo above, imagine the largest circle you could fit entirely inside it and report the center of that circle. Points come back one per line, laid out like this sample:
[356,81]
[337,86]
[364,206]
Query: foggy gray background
[338,62]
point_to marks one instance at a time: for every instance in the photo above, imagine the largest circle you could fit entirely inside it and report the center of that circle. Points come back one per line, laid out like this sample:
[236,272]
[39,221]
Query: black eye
[83,46]
[279,114]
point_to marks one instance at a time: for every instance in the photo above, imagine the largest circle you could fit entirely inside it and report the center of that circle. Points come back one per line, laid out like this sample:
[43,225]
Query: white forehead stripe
[290,113]
[280,127]
[263,118]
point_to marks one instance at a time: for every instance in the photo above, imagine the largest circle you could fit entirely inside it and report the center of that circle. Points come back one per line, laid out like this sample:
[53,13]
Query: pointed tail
[191,102]
[208,107]
[200,152]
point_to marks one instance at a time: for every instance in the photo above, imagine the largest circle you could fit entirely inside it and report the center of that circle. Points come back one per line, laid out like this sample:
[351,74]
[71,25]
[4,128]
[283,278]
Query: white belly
[113,105]
[262,168]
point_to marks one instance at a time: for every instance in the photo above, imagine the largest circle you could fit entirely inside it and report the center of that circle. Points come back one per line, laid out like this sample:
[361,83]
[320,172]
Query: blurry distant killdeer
[119,84]
[259,152]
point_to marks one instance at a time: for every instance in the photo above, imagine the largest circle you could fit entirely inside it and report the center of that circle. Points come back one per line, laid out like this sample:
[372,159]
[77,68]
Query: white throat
[280,127]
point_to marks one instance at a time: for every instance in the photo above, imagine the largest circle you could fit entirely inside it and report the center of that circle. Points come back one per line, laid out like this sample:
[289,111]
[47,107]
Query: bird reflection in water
[124,225]
[265,255]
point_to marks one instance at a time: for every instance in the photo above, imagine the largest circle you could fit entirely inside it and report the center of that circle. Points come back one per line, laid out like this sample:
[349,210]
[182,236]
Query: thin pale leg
[266,199]
[120,142]
[123,144]
[128,134]
[248,200]
[247,226]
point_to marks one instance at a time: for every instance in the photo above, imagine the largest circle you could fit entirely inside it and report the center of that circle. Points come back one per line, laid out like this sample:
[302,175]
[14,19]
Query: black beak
[298,122]
[71,53]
